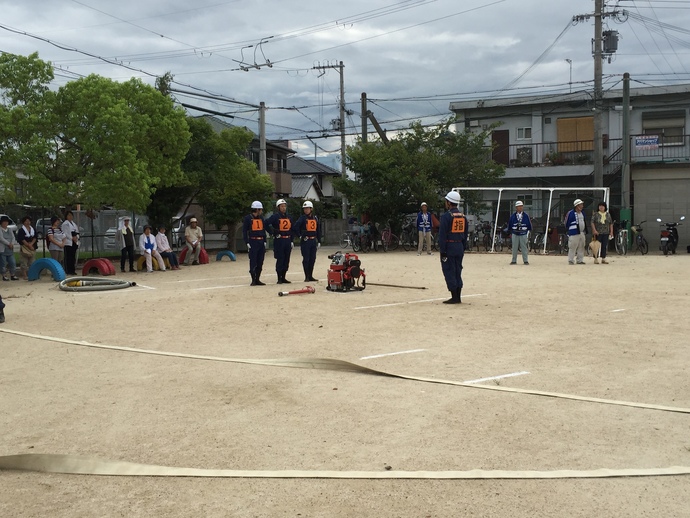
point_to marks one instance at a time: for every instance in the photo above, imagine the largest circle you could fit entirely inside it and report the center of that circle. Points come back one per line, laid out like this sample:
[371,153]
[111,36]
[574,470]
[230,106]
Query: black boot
[280,277]
[2,316]
[257,280]
[285,281]
[311,275]
[455,299]
[253,279]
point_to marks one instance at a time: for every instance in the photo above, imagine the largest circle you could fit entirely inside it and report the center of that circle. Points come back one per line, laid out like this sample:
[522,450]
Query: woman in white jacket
[148,248]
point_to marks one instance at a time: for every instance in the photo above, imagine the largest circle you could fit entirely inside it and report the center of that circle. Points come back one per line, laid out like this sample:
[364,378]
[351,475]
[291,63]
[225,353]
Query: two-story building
[312,179]
[548,140]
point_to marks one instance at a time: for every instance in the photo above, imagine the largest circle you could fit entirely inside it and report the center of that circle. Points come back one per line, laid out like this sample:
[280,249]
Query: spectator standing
[575,225]
[308,228]
[424,229]
[192,236]
[56,239]
[518,226]
[148,247]
[71,231]
[280,225]
[602,228]
[165,250]
[7,242]
[452,239]
[26,237]
[254,235]
[125,236]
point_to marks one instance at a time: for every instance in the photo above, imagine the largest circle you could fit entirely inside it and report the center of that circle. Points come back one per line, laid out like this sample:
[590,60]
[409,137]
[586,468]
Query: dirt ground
[616,331]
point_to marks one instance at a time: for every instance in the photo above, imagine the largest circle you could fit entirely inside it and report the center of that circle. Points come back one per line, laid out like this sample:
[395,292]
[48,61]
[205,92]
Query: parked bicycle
[389,241]
[640,241]
[409,236]
[622,238]
[347,239]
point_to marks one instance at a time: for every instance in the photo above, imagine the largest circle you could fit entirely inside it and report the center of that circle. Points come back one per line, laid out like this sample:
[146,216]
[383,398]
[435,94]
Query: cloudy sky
[412,57]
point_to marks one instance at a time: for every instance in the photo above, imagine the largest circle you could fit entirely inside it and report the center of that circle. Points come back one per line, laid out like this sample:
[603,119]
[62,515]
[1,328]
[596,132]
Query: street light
[570,83]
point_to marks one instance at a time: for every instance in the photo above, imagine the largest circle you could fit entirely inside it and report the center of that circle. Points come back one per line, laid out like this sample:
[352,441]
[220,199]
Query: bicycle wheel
[393,242]
[619,243]
[344,241]
[434,242]
[356,247]
[642,245]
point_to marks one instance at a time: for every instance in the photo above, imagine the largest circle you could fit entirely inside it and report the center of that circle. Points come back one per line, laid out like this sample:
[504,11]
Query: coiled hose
[93,284]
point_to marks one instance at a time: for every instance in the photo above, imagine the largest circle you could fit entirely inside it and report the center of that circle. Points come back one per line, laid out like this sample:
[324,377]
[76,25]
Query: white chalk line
[511,375]
[392,354]
[415,302]
[617,310]
[221,287]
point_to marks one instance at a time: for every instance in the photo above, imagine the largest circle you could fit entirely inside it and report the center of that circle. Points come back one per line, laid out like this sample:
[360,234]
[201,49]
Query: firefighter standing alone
[254,236]
[452,238]
[308,228]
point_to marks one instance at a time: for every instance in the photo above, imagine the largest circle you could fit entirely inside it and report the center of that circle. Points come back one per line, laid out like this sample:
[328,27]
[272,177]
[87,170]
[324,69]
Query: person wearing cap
[602,228]
[280,226]
[125,239]
[164,248]
[576,228]
[7,242]
[55,238]
[424,229]
[452,239]
[148,248]
[308,228]
[192,236]
[254,235]
[518,226]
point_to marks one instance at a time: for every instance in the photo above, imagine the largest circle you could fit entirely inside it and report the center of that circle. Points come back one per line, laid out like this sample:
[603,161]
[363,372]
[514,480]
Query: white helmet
[518,203]
[453,197]
[307,204]
[280,202]
[257,205]
[423,204]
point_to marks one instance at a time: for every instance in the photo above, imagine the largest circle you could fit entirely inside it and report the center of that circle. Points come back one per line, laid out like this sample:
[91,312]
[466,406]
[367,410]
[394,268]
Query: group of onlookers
[62,238]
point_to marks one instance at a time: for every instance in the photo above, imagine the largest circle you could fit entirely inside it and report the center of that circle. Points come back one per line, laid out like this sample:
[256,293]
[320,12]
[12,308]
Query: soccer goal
[541,207]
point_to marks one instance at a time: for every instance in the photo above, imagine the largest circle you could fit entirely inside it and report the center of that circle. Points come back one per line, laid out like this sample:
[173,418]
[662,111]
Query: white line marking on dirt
[201,280]
[221,287]
[144,286]
[511,375]
[617,310]
[391,354]
[414,302]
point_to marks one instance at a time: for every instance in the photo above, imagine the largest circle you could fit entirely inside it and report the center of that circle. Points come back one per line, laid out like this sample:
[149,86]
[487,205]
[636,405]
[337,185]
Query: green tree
[421,164]
[99,142]
[218,177]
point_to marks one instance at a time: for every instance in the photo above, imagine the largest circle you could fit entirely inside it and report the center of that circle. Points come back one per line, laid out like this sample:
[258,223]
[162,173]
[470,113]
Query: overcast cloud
[434,51]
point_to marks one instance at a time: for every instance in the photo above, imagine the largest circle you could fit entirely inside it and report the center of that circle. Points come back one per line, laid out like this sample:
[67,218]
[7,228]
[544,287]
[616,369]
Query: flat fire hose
[71,464]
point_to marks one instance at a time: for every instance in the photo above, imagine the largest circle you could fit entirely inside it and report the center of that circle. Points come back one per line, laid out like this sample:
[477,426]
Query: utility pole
[598,97]
[262,137]
[340,67]
[625,173]
[364,117]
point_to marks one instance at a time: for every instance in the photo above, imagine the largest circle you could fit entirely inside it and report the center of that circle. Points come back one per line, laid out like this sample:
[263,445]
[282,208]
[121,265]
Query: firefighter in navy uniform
[280,226]
[254,236]
[308,229]
[452,239]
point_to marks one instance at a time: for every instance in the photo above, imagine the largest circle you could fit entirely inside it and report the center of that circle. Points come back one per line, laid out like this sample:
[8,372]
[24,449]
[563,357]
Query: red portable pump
[345,273]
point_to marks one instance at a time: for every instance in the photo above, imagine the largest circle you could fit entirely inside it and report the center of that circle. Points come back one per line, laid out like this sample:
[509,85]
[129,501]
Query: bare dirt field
[617,331]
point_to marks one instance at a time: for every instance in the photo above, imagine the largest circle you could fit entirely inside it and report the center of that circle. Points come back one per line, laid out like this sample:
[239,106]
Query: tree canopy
[421,164]
[94,141]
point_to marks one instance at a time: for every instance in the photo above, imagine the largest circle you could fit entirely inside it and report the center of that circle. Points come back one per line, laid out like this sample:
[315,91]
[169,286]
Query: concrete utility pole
[340,67]
[598,97]
[262,137]
[364,117]
[625,173]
